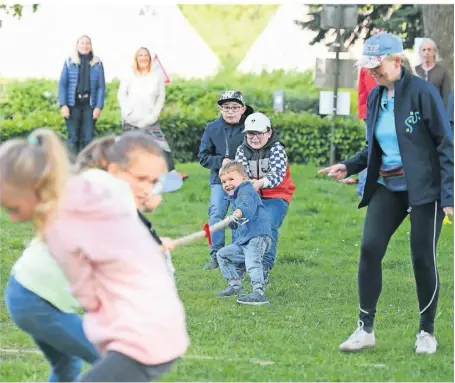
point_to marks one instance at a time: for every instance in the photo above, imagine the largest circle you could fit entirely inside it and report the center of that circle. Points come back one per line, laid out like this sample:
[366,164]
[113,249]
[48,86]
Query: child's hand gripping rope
[208,230]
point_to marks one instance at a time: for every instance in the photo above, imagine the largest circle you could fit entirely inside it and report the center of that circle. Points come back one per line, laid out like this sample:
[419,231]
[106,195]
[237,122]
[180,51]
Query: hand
[448,210]
[96,113]
[152,202]
[65,111]
[237,213]
[168,245]
[225,161]
[257,184]
[337,171]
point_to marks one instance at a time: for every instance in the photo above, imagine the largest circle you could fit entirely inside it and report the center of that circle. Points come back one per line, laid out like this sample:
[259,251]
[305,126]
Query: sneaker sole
[358,349]
[242,292]
[211,268]
[425,352]
[253,303]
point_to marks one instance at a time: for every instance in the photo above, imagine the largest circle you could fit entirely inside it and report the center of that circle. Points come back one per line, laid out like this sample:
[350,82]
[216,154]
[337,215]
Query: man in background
[430,70]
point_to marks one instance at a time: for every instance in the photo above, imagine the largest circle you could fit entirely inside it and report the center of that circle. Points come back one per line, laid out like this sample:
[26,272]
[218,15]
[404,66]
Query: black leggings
[169,160]
[386,211]
[116,367]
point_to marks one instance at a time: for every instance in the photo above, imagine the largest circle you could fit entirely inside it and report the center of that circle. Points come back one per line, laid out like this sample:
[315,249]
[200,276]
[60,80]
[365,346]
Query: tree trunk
[438,26]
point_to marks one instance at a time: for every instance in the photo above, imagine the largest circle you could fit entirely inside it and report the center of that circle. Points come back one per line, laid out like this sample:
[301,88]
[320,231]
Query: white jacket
[141,98]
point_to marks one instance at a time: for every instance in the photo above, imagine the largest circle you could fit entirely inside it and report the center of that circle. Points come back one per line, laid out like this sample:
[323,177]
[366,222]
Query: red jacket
[285,190]
[365,85]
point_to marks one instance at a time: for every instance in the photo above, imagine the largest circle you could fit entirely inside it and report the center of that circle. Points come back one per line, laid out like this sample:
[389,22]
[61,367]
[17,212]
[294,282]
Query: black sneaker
[231,291]
[266,276]
[211,265]
[255,298]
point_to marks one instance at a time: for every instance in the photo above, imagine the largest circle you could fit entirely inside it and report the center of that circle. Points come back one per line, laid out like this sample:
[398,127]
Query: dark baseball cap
[231,95]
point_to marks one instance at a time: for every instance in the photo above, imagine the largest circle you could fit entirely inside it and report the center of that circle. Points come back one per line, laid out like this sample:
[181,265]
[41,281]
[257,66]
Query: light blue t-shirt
[386,134]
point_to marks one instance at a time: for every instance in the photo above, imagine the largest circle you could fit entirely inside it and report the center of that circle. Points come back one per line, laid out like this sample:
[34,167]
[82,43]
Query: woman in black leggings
[409,162]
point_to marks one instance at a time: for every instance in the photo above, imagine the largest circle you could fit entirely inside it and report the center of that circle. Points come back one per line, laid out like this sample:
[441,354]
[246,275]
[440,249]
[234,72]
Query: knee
[216,211]
[68,368]
[370,253]
[222,254]
[213,211]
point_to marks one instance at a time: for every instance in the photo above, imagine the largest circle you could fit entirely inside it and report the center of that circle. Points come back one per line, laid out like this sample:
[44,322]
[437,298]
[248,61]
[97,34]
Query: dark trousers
[80,126]
[386,211]
[116,367]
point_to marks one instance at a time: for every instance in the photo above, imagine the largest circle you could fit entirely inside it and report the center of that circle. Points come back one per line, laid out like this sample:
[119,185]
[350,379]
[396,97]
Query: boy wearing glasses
[218,146]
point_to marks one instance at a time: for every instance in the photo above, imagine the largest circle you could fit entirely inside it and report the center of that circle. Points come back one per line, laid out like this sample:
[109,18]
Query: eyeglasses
[257,134]
[226,108]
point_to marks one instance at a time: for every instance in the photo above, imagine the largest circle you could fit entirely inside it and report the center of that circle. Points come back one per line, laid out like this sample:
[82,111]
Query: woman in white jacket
[141,97]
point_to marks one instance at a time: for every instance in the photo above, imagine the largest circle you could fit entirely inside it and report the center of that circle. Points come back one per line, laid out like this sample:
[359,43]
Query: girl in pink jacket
[115,268]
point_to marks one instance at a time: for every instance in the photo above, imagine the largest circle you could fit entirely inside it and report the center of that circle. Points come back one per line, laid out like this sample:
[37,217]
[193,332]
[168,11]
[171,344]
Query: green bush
[190,105]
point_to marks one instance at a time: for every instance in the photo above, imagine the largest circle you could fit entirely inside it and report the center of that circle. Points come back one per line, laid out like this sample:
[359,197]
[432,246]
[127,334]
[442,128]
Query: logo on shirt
[411,121]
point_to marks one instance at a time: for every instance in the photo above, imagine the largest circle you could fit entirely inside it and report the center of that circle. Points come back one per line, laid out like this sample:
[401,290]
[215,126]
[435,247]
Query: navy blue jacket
[247,199]
[450,109]
[68,83]
[425,140]
[220,141]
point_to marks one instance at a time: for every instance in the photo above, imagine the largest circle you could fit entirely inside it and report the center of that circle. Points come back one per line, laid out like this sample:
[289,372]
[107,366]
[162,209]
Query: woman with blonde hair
[141,97]
[81,93]
[409,162]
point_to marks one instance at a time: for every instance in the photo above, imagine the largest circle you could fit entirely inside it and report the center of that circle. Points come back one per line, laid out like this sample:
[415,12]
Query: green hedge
[189,106]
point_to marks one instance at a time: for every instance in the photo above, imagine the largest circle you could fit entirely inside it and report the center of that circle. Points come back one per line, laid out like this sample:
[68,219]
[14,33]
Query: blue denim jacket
[257,223]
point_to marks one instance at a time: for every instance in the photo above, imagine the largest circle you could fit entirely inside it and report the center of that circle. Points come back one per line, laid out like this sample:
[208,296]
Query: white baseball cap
[257,122]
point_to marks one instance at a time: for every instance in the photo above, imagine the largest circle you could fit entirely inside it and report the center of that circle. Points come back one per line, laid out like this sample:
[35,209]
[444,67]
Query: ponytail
[38,164]
[95,154]
[50,185]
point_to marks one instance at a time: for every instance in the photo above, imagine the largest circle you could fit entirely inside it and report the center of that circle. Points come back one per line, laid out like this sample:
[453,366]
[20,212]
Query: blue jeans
[59,335]
[80,127]
[276,208]
[361,182]
[218,207]
[231,258]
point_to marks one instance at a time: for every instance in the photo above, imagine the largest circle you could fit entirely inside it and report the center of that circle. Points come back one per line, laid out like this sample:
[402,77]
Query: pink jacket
[118,273]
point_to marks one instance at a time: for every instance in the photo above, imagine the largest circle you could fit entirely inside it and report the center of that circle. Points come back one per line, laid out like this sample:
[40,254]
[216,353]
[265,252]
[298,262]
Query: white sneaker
[425,343]
[359,340]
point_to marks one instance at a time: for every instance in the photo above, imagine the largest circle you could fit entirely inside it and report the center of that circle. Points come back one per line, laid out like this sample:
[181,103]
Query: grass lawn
[313,298]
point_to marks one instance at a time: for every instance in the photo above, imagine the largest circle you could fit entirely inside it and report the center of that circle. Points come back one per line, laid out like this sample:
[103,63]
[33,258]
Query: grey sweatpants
[116,367]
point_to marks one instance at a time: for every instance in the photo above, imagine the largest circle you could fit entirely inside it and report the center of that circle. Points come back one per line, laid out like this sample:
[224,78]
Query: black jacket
[425,140]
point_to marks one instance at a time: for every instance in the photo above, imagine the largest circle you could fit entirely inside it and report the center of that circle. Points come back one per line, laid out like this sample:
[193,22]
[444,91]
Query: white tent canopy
[38,43]
[283,44]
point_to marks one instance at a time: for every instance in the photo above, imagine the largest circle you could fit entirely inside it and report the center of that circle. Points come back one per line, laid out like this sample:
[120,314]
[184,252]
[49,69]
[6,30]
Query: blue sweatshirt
[247,199]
